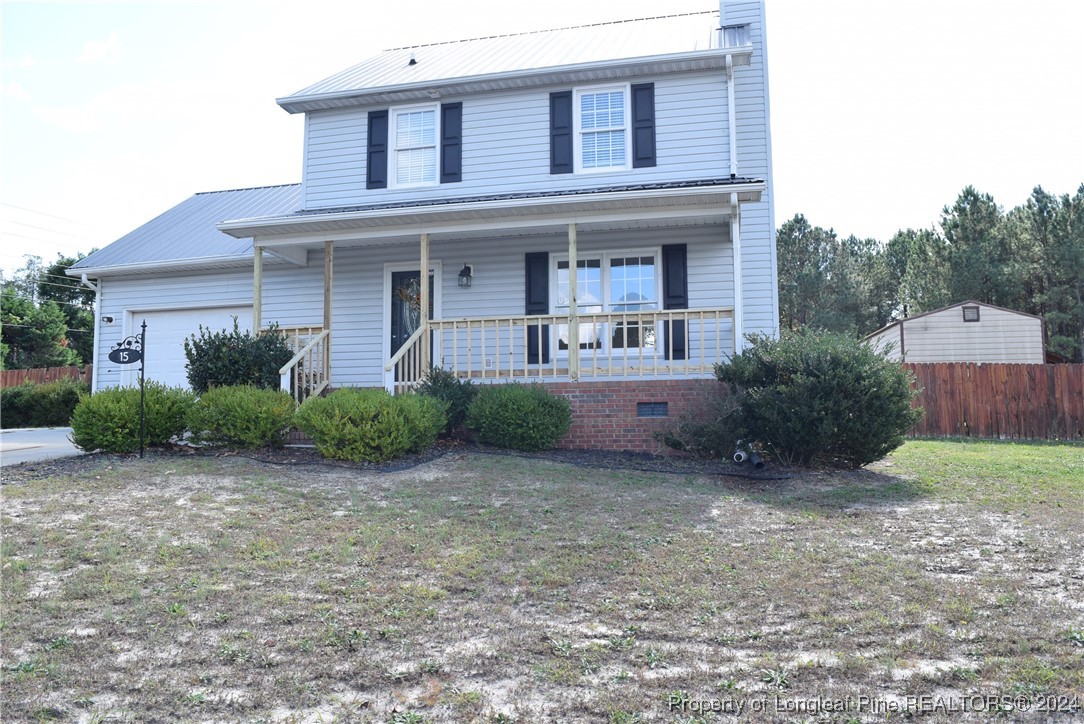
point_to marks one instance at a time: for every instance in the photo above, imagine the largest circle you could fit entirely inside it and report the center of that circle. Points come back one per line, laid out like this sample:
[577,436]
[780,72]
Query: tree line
[46,317]
[1029,259]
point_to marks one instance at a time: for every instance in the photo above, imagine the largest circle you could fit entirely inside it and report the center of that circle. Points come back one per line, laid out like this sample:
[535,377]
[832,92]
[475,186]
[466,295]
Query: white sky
[113,112]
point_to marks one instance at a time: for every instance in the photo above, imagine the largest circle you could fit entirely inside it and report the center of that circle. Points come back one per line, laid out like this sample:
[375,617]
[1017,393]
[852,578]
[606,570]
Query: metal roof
[450,63]
[187,231]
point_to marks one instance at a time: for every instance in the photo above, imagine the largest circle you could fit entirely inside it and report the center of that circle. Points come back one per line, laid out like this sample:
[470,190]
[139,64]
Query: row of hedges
[348,424]
[40,405]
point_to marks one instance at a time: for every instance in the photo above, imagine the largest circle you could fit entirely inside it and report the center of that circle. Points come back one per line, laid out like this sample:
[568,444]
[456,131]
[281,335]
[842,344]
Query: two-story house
[589,207]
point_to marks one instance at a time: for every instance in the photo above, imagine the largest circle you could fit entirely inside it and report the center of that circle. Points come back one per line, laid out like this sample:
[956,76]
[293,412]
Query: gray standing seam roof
[520,52]
[187,231]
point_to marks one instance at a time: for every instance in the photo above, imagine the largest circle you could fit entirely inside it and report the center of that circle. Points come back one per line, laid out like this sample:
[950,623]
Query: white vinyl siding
[506,146]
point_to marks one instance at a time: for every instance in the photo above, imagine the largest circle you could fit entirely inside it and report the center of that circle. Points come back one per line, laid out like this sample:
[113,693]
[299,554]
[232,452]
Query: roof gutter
[542,76]
[97,329]
[146,267]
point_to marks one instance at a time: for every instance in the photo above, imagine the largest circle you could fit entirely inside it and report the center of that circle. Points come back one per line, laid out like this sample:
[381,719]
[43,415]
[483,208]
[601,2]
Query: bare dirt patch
[477,587]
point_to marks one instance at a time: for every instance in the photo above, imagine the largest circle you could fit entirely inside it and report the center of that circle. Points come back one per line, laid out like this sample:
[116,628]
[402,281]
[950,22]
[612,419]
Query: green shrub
[225,358]
[370,425]
[522,417]
[241,416]
[815,397]
[709,432]
[109,420]
[46,405]
[456,394]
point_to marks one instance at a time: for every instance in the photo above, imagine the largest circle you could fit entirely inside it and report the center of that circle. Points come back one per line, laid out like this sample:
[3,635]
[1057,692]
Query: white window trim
[604,256]
[577,131]
[393,145]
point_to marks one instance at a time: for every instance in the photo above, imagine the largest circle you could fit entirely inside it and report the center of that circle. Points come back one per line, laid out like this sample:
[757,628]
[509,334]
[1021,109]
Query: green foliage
[455,393]
[816,397]
[46,405]
[241,416]
[33,335]
[522,417]
[709,432]
[226,357]
[370,425]
[109,420]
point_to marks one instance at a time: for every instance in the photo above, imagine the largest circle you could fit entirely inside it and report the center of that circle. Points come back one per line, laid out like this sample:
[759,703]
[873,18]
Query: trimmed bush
[710,432]
[109,420]
[241,416]
[49,404]
[229,358]
[456,394]
[365,425]
[521,417]
[816,397]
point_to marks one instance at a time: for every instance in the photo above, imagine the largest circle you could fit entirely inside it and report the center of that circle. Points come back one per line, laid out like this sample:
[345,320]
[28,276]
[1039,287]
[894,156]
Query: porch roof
[600,207]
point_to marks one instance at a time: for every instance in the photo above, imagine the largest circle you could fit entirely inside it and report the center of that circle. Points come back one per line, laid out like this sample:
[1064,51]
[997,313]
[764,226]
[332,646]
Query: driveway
[39,443]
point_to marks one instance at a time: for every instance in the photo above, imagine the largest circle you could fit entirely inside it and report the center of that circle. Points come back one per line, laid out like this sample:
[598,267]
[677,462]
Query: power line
[51,216]
[42,228]
[66,329]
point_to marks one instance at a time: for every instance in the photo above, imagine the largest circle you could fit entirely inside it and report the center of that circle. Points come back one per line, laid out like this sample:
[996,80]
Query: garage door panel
[167,329]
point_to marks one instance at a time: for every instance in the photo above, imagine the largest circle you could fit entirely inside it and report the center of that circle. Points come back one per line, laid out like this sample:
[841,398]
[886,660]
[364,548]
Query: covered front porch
[636,308]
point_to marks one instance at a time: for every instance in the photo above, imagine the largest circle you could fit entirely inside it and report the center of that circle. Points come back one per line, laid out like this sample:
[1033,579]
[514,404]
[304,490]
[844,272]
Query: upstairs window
[734,36]
[414,146]
[601,118]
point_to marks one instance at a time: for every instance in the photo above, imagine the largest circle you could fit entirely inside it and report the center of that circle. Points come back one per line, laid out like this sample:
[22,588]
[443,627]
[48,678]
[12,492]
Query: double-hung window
[618,285]
[602,129]
[414,131]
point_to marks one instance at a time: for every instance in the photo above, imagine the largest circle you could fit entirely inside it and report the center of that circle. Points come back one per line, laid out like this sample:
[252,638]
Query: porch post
[257,287]
[423,315]
[329,267]
[573,309]
[735,243]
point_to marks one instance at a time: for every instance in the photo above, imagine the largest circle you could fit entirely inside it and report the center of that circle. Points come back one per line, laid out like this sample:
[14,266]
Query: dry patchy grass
[483,588]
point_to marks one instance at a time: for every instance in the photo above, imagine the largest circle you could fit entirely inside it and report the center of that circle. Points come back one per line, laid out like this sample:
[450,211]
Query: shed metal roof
[188,230]
[450,63]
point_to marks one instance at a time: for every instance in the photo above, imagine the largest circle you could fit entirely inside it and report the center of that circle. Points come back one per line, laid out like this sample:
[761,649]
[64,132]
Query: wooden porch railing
[406,365]
[648,343]
[309,371]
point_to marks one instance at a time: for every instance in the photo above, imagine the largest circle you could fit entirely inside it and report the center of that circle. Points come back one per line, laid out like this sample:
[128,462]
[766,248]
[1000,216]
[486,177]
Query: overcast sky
[112,113]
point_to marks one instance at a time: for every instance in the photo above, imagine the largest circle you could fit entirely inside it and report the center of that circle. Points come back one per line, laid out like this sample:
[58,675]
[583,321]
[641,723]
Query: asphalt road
[40,443]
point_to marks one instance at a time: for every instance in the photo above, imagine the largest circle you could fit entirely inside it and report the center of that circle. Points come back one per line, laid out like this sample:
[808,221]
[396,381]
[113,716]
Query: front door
[406,307]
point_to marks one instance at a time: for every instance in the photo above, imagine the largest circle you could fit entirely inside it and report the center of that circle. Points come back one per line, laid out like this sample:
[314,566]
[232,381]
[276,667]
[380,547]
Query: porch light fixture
[466,274]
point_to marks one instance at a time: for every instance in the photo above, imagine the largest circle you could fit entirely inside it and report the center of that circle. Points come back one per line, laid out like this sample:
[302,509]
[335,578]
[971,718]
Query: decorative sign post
[129,351]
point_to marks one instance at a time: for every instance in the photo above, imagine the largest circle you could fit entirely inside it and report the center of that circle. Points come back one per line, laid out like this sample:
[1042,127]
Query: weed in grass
[654,659]
[1074,636]
[406,717]
[624,717]
[177,609]
[233,654]
[561,647]
[776,678]
[60,642]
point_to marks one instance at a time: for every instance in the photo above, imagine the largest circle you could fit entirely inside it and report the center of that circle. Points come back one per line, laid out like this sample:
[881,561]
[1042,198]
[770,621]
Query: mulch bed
[307,456]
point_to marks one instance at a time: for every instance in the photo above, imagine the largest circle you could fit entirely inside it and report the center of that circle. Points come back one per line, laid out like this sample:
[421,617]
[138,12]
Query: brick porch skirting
[624,415]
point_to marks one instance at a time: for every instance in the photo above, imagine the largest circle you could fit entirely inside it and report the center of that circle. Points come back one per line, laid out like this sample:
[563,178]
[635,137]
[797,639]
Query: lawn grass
[491,588]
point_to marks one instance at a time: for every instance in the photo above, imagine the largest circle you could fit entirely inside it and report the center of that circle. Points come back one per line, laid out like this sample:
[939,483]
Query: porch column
[573,309]
[423,315]
[257,287]
[735,243]
[329,266]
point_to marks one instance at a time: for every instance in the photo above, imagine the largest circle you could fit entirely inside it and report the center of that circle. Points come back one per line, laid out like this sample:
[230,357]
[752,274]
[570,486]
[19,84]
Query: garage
[167,330]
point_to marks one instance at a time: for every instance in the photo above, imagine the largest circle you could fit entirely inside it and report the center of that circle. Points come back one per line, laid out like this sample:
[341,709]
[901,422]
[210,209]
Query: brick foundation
[604,414]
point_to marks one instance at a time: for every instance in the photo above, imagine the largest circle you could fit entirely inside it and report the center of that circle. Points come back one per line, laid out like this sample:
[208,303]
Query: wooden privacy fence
[1003,401]
[11,378]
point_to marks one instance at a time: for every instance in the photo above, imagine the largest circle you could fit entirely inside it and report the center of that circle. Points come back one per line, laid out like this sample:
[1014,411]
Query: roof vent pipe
[413,60]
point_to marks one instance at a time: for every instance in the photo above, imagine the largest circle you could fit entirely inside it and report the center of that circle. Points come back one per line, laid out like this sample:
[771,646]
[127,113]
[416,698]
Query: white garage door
[166,331]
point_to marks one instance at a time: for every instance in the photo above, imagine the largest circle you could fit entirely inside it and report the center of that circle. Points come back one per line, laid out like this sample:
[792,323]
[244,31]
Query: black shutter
[376,160]
[451,142]
[561,132]
[643,125]
[675,295]
[537,288]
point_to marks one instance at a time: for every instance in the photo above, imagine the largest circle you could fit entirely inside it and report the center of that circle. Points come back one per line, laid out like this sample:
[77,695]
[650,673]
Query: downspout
[735,243]
[97,329]
[732,121]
